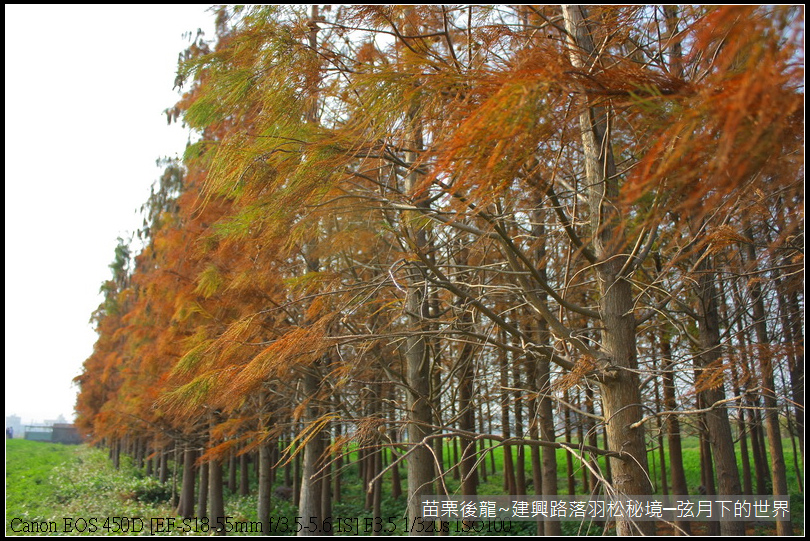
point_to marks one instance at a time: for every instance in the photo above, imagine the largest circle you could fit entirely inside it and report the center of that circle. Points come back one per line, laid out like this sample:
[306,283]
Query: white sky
[86,87]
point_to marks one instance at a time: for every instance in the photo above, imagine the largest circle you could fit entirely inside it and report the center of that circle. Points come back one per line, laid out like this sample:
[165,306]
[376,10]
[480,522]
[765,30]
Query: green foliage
[209,281]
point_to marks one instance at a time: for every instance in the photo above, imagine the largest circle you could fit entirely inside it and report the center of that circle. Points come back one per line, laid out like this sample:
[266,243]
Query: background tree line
[563,232]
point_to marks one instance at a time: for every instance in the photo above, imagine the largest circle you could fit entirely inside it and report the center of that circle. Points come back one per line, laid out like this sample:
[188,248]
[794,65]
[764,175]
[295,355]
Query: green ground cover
[48,483]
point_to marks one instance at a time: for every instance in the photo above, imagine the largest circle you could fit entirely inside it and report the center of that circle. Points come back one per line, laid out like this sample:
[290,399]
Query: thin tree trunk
[264,504]
[710,380]
[309,505]
[376,491]
[789,285]
[186,509]
[569,458]
[202,492]
[469,476]
[215,496]
[176,462]
[326,487]
[589,481]
[593,439]
[758,449]
[150,467]
[396,480]
[537,472]
[296,479]
[137,445]
[336,474]
[520,449]
[116,454]
[673,427]
[489,426]
[244,480]
[232,473]
[778,467]
[164,466]
[508,465]
[482,444]
[707,487]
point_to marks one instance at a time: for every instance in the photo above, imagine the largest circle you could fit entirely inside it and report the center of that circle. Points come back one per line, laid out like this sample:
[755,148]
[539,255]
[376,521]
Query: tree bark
[202,493]
[264,506]
[469,475]
[244,480]
[509,484]
[186,509]
[710,384]
[215,496]
[673,427]
[621,398]
[778,467]
[164,466]
[232,473]
[420,462]
[309,506]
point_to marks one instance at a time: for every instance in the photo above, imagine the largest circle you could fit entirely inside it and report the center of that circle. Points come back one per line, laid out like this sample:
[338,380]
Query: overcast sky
[86,87]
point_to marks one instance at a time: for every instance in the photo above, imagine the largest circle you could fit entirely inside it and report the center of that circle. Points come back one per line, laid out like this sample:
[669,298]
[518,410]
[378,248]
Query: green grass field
[48,483]
[51,486]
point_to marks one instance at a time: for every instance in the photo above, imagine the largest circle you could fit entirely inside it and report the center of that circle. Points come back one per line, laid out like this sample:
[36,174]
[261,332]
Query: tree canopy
[404,225]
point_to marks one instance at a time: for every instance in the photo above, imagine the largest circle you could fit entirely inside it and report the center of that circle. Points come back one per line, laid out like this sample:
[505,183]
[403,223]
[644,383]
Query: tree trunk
[376,491]
[420,462]
[137,444]
[549,459]
[309,505]
[706,487]
[469,475]
[336,474]
[789,285]
[396,479]
[482,446]
[778,467]
[673,428]
[542,374]
[186,509]
[745,457]
[326,487]
[116,454]
[147,458]
[232,473]
[621,398]
[537,472]
[709,382]
[202,492]
[164,466]
[244,480]
[520,449]
[569,458]
[264,505]
[593,440]
[509,484]
[215,496]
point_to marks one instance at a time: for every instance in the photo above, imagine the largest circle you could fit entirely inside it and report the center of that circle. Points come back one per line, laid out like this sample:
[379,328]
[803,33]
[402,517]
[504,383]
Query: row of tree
[424,228]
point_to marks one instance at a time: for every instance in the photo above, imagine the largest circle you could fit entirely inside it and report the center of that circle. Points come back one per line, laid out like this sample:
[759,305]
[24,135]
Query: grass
[29,482]
[46,483]
[63,487]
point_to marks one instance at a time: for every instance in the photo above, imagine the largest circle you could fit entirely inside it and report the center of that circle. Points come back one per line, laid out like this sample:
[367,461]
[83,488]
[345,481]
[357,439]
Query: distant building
[65,433]
[38,432]
[59,420]
[55,433]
